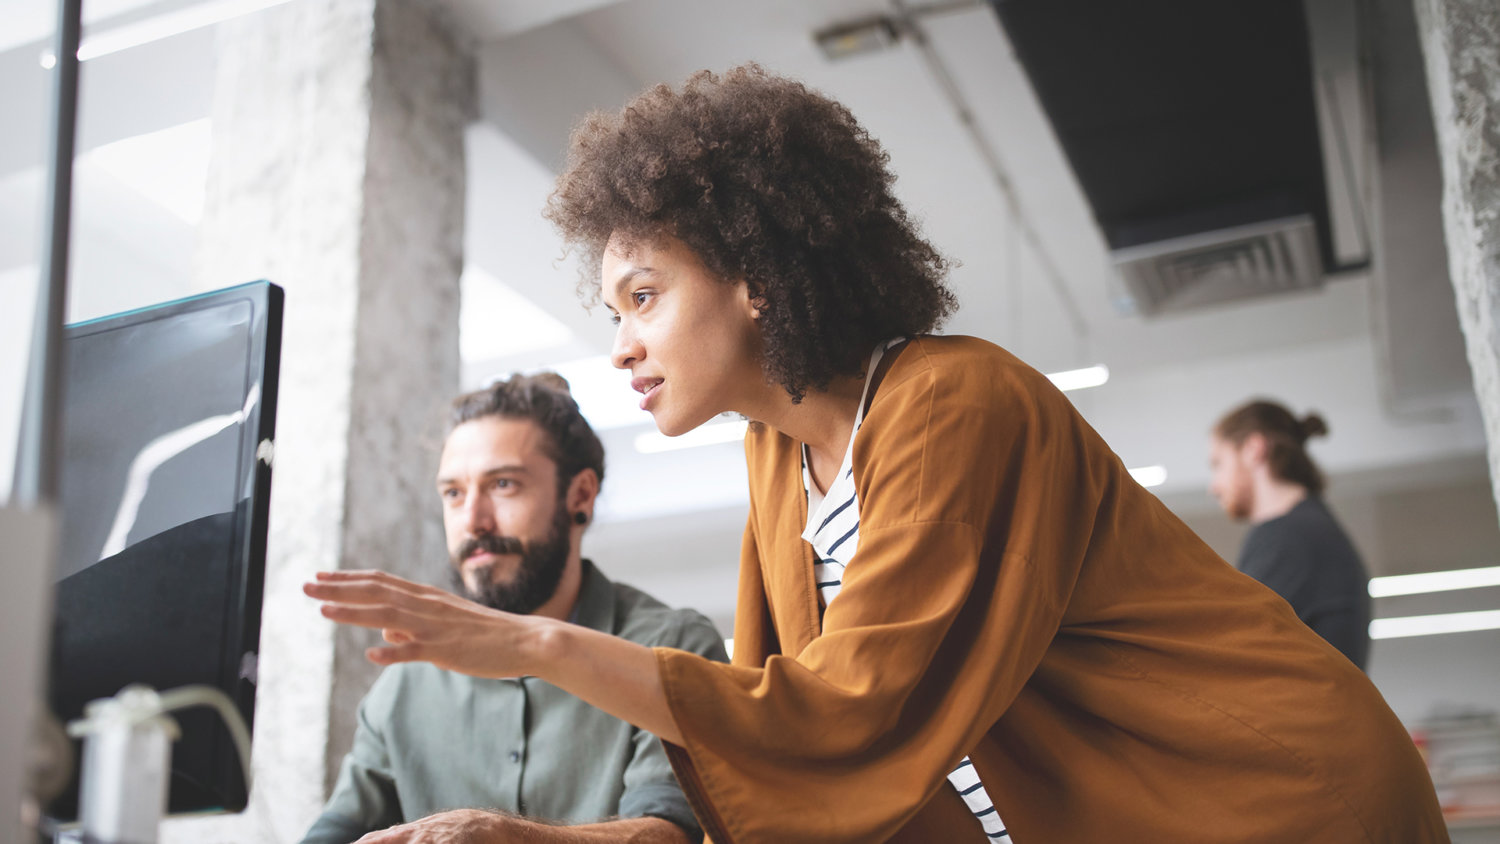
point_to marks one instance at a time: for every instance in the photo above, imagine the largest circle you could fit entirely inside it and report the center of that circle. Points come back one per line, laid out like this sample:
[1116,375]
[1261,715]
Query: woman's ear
[754,301]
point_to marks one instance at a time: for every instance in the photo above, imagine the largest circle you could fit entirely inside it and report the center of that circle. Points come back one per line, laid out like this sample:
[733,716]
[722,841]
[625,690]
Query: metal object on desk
[127,755]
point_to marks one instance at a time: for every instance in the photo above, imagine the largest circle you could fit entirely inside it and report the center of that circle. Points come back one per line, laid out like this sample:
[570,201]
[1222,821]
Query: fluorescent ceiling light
[1434,581]
[161,26]
[603,393]
[1149,476]
[1432,625]
[168,166]
[606,399]
[495,321]
[712,433]
[1080,379]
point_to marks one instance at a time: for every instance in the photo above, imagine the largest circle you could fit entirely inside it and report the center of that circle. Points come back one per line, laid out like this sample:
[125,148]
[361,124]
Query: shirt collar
[595,608]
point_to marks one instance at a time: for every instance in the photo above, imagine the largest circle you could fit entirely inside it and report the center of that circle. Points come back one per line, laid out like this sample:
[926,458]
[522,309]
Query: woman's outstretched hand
[427,624]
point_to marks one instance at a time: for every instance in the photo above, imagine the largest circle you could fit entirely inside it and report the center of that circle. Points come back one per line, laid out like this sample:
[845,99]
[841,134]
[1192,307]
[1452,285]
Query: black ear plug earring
[580,518]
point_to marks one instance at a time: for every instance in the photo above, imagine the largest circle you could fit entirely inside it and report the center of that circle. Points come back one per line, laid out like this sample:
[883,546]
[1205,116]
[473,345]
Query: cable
[140,704]
[188,696]
[906,21]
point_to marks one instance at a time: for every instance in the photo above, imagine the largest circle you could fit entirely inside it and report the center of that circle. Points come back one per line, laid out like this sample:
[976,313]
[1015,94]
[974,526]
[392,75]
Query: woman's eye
[614,318]
[641,297]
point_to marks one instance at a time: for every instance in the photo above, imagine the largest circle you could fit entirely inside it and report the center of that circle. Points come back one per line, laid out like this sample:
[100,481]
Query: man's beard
[1240,500]
[537,574]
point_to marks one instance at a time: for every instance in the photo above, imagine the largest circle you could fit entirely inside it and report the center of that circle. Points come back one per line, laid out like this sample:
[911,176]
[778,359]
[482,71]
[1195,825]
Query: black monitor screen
[168,416]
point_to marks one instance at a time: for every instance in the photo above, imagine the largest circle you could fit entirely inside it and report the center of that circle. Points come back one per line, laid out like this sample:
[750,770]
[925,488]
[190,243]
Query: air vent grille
[1277,256]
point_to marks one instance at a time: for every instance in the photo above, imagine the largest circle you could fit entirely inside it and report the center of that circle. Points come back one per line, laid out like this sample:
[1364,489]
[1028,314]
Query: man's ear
[582,491]
[1255,450]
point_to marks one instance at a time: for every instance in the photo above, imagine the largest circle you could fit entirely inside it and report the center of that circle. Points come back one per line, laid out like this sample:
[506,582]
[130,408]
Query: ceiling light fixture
[713,433]
[1149,476]
[723,432]
[1434,581]
[161,26]
[606,399]
[1432,625]
[1080,379]
[867,35]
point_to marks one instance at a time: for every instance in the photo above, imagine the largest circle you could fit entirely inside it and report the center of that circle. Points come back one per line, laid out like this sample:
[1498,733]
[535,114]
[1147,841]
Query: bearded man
[1262,474]
[440,756]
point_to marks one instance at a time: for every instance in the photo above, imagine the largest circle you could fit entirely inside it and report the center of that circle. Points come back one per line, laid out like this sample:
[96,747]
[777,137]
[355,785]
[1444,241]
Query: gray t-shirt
[1306,558]
[430,740]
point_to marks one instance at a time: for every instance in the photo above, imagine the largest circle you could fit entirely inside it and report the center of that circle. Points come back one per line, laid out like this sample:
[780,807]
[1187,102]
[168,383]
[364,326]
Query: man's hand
[471,826]
[424,623]
[460,825]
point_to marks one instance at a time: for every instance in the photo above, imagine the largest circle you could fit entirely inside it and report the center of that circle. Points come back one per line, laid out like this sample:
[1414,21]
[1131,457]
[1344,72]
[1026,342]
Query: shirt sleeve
[1273,558]
[976,513]
[364,797]
[651,789]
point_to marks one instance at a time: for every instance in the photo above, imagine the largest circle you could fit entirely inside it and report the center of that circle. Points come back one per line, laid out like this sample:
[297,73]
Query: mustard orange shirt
[1019,599]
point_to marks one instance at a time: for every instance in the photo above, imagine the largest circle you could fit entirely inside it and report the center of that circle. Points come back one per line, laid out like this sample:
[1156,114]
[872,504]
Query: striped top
[833,531]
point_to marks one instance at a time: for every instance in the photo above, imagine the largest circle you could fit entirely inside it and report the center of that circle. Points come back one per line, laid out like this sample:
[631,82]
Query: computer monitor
[167,431]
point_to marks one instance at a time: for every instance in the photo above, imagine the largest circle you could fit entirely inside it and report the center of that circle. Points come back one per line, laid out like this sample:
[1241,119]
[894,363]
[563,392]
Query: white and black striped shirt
[833,531]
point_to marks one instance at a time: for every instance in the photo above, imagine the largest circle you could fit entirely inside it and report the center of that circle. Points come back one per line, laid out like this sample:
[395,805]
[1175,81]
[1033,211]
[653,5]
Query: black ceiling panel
[1178,117]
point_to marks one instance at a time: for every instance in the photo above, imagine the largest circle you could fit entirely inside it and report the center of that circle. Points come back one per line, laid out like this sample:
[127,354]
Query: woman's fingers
[354,574]
[366,591]
[375,576]
[392,654]
[421,623]
[377,616]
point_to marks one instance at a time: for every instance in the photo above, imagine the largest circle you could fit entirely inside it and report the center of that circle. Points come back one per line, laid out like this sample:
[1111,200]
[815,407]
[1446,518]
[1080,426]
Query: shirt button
[515,756]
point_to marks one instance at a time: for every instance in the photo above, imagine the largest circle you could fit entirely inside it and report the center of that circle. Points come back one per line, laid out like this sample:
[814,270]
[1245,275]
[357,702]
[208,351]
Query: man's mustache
[489,543]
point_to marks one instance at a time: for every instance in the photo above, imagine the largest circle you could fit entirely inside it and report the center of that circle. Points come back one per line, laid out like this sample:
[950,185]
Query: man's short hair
[545,399]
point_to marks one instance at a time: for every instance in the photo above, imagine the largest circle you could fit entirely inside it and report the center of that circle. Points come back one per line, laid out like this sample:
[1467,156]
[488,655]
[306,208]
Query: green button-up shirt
[430,740]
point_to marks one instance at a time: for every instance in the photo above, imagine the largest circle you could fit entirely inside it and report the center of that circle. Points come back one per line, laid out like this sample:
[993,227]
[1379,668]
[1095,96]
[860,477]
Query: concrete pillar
[1461,48]
[338,173]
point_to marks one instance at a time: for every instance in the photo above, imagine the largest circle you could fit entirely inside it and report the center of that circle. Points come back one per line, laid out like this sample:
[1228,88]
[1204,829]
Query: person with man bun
[1262,474]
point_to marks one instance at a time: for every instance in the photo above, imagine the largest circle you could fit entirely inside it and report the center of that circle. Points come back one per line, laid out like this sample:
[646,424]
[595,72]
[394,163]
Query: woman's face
[688,338]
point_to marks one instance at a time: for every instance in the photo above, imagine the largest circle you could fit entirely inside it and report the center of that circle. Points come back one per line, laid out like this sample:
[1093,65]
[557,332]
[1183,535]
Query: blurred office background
[1213,208]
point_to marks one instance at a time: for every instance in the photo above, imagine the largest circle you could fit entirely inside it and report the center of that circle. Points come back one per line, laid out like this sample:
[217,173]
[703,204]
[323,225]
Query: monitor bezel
[238,661]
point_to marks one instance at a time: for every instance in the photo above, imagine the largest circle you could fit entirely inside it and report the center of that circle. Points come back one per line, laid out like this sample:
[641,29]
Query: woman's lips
[649,387]
[650,394]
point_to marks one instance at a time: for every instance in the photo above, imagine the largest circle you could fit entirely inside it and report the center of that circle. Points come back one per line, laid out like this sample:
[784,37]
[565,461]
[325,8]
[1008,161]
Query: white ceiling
[543,64]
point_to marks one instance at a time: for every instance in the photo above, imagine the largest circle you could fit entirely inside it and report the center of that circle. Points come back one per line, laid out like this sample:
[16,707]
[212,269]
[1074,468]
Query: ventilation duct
[1277,256]
[1193,131]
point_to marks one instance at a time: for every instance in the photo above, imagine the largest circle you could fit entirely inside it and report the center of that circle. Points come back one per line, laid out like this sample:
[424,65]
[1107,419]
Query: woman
[959,619]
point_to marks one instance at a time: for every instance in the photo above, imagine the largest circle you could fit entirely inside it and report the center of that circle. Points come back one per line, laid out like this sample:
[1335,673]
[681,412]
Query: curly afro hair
[768,182]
